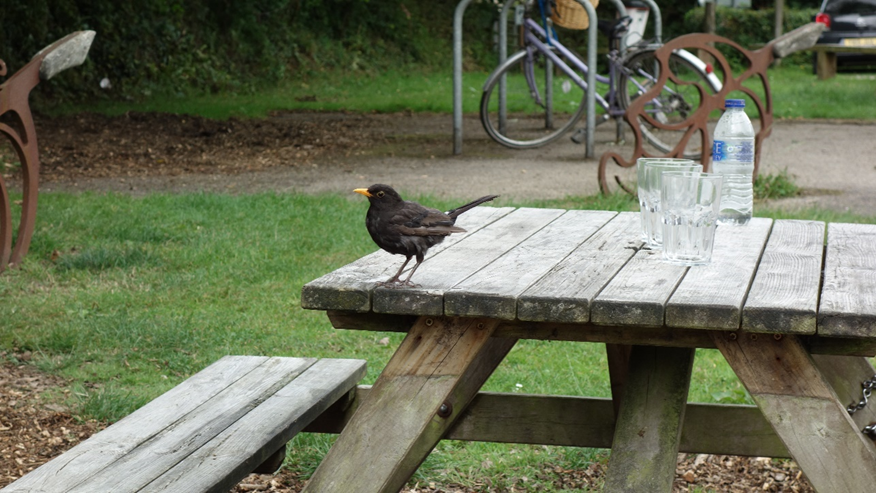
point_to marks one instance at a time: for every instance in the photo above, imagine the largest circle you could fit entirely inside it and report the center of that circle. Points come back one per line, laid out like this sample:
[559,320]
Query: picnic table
[790,304]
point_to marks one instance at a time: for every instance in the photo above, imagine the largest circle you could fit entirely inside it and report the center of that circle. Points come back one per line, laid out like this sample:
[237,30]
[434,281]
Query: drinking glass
[649,171]
[690,202]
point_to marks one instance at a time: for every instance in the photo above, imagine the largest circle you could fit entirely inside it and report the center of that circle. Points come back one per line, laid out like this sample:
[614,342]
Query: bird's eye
[380,194]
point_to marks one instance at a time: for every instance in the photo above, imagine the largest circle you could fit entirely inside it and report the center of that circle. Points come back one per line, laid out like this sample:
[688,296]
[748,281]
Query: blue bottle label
[739,151]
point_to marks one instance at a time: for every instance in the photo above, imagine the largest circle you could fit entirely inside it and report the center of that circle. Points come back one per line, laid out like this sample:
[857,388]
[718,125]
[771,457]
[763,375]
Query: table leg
[644,451]
[618,356]
[803,409]
[431,378]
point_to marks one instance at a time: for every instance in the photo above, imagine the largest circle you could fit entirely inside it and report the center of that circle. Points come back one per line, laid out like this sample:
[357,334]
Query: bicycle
[526,118]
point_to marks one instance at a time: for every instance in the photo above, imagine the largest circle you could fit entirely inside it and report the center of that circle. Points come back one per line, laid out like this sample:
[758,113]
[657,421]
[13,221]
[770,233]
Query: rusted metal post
[16,123]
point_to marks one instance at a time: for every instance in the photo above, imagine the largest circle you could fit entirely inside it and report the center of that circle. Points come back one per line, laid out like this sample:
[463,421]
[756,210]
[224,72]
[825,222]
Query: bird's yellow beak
[363,191]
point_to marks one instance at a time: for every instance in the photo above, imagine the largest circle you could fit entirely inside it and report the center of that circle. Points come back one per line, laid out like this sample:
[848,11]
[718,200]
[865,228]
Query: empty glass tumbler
[691,202]
[649,171]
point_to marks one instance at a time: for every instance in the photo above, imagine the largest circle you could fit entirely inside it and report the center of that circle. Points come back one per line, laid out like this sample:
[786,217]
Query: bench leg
[644,451]
[272,463]
[825,65]
[431,378]
[803,409]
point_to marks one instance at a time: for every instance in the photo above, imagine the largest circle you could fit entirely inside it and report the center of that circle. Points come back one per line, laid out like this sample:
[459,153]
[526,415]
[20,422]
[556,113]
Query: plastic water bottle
[733,157]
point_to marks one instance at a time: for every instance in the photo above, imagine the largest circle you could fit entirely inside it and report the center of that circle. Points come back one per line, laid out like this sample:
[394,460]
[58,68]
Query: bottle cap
[734,103]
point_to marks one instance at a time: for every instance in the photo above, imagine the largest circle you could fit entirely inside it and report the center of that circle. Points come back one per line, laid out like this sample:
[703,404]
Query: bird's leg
[394,280]
[407,281]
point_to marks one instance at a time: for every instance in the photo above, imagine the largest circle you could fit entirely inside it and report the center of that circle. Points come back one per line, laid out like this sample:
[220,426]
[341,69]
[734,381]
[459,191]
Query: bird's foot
[397,283]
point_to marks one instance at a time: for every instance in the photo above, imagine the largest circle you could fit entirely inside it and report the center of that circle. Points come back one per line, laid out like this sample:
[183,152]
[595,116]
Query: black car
[849,23]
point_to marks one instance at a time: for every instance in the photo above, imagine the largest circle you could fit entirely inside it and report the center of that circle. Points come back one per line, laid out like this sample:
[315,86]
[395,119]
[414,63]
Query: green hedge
[211,45]
[749,28]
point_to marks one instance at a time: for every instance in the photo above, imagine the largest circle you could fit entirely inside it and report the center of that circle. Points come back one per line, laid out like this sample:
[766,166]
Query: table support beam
[428,383]
[644,452]
[803,409]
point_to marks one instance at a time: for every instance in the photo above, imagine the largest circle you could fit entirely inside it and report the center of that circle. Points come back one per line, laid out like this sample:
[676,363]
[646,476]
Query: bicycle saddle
[614,29]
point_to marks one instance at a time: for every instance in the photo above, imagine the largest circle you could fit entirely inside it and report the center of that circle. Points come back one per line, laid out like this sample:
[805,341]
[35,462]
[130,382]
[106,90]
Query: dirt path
[336,152]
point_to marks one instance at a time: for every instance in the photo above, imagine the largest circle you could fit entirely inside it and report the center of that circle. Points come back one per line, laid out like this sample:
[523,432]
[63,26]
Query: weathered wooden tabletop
[790,304]
[549,265]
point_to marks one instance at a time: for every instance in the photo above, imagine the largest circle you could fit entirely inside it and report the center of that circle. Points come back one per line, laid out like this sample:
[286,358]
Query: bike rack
[590,99]
[17,125]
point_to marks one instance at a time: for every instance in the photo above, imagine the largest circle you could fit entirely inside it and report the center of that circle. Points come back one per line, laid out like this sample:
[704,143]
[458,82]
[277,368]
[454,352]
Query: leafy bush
[751,29]
[179,47]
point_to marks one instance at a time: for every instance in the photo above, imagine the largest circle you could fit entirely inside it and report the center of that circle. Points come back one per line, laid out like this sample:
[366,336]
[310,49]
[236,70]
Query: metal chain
[867,388]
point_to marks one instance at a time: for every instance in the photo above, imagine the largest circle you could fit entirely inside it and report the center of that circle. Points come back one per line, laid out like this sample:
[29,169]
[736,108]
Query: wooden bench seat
[205,434]
[825,58]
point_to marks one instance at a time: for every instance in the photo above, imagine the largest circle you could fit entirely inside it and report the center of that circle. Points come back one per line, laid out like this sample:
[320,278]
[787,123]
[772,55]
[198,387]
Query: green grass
[143,292]
[796,92]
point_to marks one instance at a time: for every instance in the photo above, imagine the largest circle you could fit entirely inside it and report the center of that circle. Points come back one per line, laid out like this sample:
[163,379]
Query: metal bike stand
[457,75]
[590,97]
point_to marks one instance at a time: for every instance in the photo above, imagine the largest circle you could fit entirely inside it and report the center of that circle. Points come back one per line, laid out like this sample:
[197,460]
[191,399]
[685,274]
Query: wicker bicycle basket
[571,14]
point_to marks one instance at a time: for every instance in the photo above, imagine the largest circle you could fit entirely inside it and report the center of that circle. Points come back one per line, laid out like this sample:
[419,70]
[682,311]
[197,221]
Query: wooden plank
[711,296]
[637,294]
[102,449]
[567,291]
[429,381]
[784,295]
[825,64]
[349,288]
[160,452]
[236,451]
[848,297]
[493,290]
[452,266]
[644,451]
[587,422]
[803,410]
[641,336]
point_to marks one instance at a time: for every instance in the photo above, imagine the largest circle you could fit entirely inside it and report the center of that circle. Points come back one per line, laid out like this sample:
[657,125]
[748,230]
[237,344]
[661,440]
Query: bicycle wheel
[674,104]
[541,104]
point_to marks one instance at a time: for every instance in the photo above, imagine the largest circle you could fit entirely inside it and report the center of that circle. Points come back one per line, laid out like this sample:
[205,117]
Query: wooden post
[708,28]
[777,30]
[428,383]
[644,452]
[803,409]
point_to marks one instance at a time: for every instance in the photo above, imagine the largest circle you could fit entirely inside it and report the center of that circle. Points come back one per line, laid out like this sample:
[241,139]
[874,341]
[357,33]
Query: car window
[841,7]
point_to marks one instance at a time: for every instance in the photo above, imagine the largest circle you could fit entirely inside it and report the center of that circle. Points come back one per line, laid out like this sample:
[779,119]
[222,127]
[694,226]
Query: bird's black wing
[414,219]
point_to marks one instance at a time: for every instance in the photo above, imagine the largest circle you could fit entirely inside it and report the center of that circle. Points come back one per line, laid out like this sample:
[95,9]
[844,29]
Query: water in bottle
[733,157]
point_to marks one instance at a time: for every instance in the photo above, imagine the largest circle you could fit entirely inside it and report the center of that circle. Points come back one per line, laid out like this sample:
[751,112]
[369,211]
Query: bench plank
[92,455]
[235,452]
[784,295]
[450,267]
[182,437]
[580,276]
[725,280]
[205,434]
[848,298]
[349,288]
[493,291]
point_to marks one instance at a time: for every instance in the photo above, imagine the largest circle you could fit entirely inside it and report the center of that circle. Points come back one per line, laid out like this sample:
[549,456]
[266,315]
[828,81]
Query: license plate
[859,42]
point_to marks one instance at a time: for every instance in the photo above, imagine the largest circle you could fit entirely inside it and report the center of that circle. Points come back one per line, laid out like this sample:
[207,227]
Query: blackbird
[407,228]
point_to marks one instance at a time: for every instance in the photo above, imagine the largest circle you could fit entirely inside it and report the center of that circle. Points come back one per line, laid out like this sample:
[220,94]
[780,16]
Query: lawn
[127,296]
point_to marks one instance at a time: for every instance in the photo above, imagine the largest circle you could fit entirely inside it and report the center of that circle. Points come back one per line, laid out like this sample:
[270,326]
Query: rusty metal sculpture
[16,123]
[757,63]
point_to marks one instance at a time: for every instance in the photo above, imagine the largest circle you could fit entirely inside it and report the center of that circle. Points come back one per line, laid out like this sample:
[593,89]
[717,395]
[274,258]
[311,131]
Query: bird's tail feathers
[474,203]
